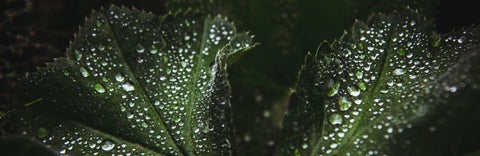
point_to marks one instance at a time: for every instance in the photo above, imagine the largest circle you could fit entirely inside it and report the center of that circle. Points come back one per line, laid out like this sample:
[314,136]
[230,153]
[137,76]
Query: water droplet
[359,74]
[362,86]
[334,145]
[99,88]
[187,38]
[370,48]
[305,146]
[129,115]
[153,49]
[401,51]
[127,86]
[119,77]
[108,145]
[334,87]
[42,132]
[144,125]
[399,71]
[353,90]
[344,104]
[335,119]
[101,47]
[78,55]
[84,72]
[140,48]
[92,145]
[162,78]
[461,39]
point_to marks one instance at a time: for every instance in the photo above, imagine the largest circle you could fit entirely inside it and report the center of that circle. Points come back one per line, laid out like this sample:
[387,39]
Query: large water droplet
[84,72]
[153,49]
[334,87]
[127,86]
[99,88]
[353,90]
[119,77]
[108,145]
[335,119]
[399,71]
[401,51]
[344,104]
[362,86]
[140,48]
[359,75]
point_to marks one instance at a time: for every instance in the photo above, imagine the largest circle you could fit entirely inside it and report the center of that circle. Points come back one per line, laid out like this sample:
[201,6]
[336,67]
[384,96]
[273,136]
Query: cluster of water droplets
[154,86]
[378,80]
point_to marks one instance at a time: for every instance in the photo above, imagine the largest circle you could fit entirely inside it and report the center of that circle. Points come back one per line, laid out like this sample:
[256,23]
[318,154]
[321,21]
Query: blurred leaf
[136,83]
[377,90]
[19,146]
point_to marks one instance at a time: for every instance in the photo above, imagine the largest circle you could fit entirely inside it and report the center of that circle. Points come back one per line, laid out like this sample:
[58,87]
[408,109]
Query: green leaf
[372,91]
[136,83]
[286,29]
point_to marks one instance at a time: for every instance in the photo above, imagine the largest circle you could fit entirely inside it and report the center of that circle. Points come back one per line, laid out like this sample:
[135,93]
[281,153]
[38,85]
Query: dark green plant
[190,83]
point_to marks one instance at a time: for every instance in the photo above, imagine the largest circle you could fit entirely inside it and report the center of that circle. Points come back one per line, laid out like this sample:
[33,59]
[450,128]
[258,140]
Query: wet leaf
[136,83]
[377,90]
[287,30]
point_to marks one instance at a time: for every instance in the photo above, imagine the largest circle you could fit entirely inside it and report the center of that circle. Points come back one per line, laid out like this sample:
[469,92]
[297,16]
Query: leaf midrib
[388,53]
[141,90]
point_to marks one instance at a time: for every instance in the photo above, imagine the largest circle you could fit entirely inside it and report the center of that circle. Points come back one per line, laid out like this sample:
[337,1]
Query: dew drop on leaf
[127,86]
[401,51]
[153,49]
[108,145]
[99,88]
[78,55]
[305,146]
[344,104]
[334,87]
[399,71]
[335,119]
[119,77]
[353,90]
[84,72]
[140,48]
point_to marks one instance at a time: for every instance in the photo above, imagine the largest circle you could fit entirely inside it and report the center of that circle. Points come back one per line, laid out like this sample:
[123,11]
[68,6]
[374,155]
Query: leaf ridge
[141,89]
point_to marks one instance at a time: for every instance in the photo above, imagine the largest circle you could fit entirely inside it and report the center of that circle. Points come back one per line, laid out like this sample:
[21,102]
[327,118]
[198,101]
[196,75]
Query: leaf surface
[286,31]
[136,83]
[367,93]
